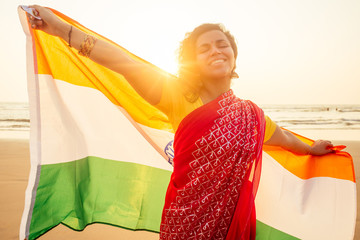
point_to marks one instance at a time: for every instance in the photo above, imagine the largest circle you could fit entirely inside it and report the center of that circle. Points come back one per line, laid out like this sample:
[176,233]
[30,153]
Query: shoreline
[14,172]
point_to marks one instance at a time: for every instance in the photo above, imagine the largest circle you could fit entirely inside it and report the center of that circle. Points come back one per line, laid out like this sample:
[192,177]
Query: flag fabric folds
[101,154]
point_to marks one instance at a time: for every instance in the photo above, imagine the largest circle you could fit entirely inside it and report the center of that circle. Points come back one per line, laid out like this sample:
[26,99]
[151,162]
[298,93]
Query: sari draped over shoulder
[217,164]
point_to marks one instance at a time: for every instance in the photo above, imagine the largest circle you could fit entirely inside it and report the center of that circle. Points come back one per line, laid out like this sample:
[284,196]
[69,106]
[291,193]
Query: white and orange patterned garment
[217,160]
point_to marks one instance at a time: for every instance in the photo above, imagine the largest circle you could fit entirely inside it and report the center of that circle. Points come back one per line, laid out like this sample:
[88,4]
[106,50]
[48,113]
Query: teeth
[217,61]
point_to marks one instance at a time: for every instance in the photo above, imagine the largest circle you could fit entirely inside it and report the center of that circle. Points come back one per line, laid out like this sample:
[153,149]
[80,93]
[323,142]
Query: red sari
[216,172]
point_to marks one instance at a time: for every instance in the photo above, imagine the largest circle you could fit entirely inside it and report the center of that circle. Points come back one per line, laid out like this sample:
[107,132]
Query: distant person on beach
[219,137]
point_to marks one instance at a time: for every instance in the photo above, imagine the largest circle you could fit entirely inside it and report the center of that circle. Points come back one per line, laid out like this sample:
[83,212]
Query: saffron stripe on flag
[337,165]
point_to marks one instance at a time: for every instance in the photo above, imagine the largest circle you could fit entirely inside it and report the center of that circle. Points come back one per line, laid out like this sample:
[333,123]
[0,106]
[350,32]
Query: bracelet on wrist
[87,45]
[69,35]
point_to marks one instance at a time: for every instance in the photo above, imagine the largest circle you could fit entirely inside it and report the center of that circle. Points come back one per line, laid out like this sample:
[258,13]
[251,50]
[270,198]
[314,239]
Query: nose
[214,50]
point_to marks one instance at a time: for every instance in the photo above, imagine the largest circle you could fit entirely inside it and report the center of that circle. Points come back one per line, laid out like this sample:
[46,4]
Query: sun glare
[279,42]
[272,52]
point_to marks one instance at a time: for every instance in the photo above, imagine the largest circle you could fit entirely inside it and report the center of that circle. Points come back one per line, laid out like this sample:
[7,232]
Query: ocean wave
[18,126]
[348,110]
[14,120]
[15,129]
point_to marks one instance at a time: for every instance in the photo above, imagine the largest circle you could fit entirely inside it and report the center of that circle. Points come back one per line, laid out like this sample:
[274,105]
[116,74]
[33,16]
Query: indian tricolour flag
[100,153]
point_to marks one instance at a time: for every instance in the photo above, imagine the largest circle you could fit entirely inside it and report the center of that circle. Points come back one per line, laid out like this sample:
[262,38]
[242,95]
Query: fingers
[36,7]
[35,12]
[321,147]
[324,143]
[328,144]
[34,23]
[39,10]
[37,24]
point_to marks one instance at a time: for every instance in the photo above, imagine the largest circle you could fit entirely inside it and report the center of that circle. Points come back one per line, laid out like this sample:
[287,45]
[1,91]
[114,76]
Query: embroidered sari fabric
[216,172]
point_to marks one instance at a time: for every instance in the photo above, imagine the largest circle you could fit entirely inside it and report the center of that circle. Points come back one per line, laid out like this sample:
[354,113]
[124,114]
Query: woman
[219,137]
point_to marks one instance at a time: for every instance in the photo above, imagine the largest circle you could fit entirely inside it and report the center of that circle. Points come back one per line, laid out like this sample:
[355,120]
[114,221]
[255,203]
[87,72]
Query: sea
[313,121]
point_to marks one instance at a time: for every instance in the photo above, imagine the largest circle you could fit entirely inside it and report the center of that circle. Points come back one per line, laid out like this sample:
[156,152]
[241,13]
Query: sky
[290,51]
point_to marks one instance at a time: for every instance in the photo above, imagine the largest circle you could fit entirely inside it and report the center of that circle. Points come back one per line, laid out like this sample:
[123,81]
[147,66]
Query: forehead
[210,37]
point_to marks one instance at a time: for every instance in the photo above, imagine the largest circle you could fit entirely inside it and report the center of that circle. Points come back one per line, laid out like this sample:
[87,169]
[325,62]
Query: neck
[213,89]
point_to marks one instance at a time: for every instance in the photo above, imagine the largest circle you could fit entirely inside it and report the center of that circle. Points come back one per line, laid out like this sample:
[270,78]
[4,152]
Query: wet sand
[14,171]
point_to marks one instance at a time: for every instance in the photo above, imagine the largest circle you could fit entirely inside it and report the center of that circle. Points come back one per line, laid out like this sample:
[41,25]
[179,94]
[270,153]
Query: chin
[220,76]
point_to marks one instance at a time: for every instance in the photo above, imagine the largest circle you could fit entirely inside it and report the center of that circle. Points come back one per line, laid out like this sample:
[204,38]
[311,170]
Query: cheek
[200,61]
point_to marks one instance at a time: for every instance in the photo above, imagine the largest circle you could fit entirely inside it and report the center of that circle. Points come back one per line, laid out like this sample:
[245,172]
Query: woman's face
[214,55]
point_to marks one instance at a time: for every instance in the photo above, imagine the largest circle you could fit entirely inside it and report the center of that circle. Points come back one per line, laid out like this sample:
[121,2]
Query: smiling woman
[209,47]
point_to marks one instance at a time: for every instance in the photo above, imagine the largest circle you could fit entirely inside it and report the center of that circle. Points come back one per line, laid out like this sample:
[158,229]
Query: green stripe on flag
[94,189]
[266,232]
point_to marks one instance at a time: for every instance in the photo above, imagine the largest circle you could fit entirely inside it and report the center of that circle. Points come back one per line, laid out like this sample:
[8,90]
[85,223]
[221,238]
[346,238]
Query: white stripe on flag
[94,126]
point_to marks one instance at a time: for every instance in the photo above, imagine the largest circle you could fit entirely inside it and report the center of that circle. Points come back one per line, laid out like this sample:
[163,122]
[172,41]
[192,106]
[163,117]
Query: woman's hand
[49,22]
[320,147]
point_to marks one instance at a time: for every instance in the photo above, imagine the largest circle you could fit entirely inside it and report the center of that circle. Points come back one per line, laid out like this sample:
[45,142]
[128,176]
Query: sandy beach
[14,171]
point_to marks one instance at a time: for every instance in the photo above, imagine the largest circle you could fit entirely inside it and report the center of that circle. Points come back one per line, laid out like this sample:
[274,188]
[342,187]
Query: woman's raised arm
[290,142]
[146,80]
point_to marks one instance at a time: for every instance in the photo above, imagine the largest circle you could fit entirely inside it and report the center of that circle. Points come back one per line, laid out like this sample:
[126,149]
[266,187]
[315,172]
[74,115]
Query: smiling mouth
[218,61]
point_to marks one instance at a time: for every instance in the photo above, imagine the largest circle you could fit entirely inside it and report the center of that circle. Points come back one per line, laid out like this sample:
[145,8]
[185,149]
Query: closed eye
[203,49]
[206,47]
[222,44]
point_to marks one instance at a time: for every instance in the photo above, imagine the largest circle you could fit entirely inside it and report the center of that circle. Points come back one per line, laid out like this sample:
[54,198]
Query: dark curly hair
[189,75]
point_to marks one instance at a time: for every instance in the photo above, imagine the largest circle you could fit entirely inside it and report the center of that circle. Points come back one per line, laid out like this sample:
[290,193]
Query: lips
[217,61]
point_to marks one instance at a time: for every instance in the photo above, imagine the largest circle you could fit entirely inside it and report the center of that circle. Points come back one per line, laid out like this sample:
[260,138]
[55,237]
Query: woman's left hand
[321,147]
